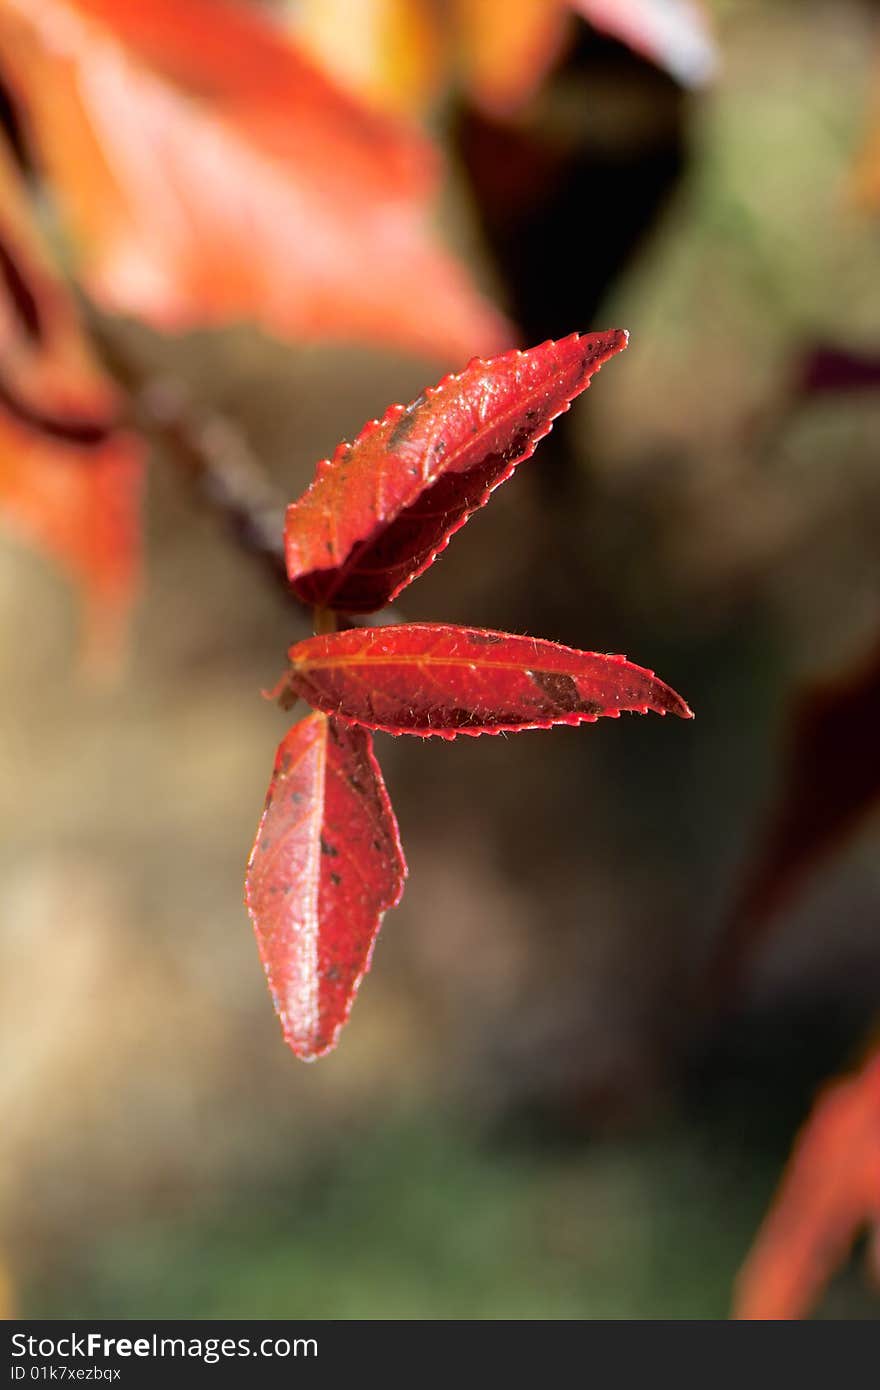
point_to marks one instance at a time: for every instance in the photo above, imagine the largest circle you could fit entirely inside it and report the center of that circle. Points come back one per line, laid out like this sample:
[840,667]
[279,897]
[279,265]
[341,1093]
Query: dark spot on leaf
[559,688]
[485,639]
[335,879]
[326,848]
[407,422]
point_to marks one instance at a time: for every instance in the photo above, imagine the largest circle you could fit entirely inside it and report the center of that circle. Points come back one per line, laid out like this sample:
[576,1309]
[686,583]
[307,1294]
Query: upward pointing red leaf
[427,678]
[381,510]
[325,866]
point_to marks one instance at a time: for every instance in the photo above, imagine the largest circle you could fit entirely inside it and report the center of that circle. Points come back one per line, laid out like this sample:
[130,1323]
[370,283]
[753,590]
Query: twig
[212,454]
[207,449]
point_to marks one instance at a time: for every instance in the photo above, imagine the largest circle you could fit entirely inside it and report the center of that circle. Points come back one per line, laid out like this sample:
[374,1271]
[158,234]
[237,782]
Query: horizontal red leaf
[831,1189]
[427,678]
[325,866]
[380,511]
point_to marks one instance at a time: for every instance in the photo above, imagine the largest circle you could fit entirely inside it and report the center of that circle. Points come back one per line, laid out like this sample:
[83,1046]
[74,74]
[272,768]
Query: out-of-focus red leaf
[210,172]
[674,34]
[427,678]
[865,182]
[70,482]
[505,51]
[382,509]
[326,865]
[830,1190]
[388,51]
[827,786]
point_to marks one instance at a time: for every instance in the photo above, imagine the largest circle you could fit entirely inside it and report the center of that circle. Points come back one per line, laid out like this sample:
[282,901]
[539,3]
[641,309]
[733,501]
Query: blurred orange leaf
[391,52]
[70,482]
[505,51]
[210,172]
[830,1190]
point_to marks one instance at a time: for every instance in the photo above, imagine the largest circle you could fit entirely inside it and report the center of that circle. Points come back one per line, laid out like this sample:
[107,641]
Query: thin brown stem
[205,448]
[211,453]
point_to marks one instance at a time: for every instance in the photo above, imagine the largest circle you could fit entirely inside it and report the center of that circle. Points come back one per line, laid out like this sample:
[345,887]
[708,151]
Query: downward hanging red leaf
[427,678]
[830,1190]
[325,866]
[381,510]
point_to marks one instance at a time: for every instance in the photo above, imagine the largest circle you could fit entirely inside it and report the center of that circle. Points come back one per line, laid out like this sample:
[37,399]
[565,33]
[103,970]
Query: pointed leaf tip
[432,679]
[326,865]
[380,511]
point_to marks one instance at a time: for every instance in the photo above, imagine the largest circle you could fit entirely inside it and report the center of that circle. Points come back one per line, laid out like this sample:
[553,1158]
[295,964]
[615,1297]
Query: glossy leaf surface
[210,172]
[325,866]
[382,508]
[830,1190]
[427,678]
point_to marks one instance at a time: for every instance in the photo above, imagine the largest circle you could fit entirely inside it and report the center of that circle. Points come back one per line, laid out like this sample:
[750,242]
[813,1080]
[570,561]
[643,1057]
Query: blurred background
[563,1091]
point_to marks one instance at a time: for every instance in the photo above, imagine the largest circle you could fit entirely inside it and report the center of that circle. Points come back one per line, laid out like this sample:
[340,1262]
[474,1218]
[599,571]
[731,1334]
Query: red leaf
[70,482]
[827,787]
[381,510]
[831,1189]
[210,172]
[325,866]
[427,678]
